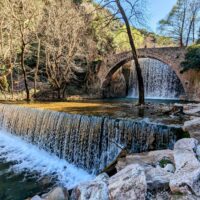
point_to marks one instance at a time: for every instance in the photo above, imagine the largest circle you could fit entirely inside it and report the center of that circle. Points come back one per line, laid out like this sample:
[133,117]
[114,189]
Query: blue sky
[158,9]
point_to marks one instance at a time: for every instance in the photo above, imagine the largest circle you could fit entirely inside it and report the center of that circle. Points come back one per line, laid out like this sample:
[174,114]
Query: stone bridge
[172,56]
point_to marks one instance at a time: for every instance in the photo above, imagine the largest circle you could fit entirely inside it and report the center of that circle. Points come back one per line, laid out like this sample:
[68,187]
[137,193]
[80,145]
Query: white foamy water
[28,157]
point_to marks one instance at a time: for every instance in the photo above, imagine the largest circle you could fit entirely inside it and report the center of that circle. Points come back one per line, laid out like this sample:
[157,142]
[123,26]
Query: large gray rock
[193,127]
[186,179]
[149,158]
[129,183]
[186,144]
[57,193]
[36,198]
[92,190]
[157,178]
[198,151]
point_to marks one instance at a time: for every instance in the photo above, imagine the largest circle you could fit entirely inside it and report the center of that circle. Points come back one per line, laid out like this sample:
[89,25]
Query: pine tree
[181,22]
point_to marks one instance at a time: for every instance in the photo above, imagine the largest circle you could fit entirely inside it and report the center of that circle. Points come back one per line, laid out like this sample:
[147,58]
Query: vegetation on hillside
[192,58]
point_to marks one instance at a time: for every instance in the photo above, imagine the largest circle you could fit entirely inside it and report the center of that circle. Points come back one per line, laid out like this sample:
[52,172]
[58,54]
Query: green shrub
[192,58]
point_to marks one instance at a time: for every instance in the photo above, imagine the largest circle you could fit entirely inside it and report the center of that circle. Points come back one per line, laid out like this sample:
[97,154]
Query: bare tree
[65,33]
[37,65]
[7,42]
[25,15]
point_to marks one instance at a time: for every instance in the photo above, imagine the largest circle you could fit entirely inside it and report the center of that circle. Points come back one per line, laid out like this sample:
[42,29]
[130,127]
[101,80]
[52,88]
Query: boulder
[186,144]
[198,152]
[193,127]
[36,198]
[92,190]
[129,183]
[157,179]
[57,193]
[149,158]
[186,179]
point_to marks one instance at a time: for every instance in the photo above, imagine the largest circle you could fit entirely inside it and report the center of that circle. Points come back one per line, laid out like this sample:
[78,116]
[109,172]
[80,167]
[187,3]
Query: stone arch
[170,56]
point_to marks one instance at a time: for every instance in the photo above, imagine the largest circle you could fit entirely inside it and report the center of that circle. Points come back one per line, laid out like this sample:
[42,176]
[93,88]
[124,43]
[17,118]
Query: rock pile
[157,175]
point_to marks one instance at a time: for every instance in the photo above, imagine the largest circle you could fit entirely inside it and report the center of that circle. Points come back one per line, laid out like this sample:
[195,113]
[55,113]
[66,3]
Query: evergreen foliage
[192,58]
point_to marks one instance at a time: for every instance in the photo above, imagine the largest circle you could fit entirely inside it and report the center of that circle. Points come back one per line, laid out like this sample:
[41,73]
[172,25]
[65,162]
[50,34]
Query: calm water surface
[115,108]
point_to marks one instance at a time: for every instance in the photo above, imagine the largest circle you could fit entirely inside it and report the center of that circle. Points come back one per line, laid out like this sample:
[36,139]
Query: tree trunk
[11,81]
[59,93]
[182,25]
[25,74]
[64,91]
[36,68]
[134,52]
[193,34]
[189,31]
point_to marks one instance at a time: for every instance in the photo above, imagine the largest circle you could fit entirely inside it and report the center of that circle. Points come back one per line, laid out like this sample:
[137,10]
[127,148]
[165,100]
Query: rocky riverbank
[157,175]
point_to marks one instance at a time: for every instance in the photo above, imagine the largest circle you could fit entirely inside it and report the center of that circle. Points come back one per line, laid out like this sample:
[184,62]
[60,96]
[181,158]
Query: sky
[158,9]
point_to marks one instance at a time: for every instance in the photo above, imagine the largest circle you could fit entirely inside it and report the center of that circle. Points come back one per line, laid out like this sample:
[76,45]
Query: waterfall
[160,81]
[26,161]
[88,142]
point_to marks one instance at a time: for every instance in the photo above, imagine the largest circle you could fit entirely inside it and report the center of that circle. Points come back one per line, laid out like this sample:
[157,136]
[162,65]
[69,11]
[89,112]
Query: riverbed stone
[92,190]
[157,179]
[198,152]
[149,158]
[186,179]
[186,144]
[193,127]
[36,198]
[129,183]
[57,193]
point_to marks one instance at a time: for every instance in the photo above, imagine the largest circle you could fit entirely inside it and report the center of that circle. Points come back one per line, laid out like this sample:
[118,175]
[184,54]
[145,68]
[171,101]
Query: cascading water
[28,158]
[88,142]
[160,81]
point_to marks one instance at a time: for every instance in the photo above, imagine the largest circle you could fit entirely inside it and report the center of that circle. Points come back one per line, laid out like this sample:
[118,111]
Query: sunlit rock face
[160,81]
[87,141]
